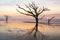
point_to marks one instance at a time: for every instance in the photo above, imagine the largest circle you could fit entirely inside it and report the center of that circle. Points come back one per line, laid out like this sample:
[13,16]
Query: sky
[8,7]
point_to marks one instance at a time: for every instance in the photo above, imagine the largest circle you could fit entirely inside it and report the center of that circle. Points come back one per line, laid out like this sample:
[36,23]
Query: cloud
[14,2]
[54,1]
[7,2]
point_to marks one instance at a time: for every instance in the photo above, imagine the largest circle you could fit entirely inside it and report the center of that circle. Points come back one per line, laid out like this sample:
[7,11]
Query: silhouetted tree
[34,11]
[50,20]
[35,22]
[6,18]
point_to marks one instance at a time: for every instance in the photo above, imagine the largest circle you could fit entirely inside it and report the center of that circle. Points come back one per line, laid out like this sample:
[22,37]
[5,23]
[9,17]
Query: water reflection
[20,28]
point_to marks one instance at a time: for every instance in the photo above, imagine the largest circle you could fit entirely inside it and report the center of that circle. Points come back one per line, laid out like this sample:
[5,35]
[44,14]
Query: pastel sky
[8,7]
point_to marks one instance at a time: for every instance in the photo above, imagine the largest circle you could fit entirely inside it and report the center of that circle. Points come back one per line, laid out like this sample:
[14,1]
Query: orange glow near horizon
[10,13]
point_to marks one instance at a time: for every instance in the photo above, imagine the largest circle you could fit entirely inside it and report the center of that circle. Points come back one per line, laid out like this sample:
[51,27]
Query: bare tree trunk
[48,22]
[36,26]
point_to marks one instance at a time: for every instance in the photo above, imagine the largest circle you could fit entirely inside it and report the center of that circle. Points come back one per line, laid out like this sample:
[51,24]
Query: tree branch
[52,18]
[22,8]
[29,10]
[33,6]
[24,13]
[39,10]
[42,10]
[26,10]
[28,7]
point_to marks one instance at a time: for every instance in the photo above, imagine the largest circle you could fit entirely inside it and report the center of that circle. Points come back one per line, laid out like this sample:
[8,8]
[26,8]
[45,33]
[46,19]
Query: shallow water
[19,28]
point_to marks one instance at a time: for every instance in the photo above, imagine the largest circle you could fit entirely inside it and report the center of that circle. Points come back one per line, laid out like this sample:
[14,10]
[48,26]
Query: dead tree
[50,20]
[6,18]
[34,11]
